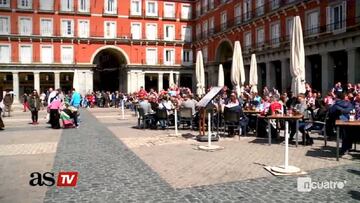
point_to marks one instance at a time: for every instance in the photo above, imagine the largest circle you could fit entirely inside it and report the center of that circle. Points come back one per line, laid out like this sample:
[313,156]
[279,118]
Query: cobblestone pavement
[111,171]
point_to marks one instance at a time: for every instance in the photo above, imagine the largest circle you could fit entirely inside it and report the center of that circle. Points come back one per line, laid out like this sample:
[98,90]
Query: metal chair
[185,115]
[142,118]
[321,131]
[231,119]
[161,115]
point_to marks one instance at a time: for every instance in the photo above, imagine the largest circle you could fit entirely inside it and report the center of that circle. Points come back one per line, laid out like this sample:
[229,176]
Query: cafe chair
[185,115]
[321,127]
[142,118]
[231,119]
[162,116]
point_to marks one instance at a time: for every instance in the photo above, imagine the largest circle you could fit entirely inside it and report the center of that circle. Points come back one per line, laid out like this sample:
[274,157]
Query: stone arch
[110,47]
[224,50]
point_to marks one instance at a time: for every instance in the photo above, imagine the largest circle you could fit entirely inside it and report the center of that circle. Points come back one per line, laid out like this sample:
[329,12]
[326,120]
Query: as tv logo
[64,179]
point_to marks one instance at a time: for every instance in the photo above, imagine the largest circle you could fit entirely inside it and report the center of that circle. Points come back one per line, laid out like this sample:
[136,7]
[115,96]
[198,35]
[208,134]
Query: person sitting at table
[300,108]
[188,103]
[166,104]
[234,106]
[146,107]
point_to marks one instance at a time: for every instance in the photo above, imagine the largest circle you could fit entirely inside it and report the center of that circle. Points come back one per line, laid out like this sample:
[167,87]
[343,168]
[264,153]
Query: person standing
[35,104]
[75,99]
[25,102]
[8,101]
[1,109]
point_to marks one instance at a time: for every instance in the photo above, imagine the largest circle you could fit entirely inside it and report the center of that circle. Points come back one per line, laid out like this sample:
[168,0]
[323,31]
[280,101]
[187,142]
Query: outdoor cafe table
[340,123]
[283,117]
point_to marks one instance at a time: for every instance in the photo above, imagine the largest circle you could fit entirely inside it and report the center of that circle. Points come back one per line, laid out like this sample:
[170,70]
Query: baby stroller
[67,118]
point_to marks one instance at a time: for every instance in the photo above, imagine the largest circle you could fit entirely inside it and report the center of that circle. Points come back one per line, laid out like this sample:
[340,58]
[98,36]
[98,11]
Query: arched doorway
[224,53]
[109,73]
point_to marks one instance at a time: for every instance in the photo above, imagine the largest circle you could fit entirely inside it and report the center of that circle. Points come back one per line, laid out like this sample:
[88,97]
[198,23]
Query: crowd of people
[341,102]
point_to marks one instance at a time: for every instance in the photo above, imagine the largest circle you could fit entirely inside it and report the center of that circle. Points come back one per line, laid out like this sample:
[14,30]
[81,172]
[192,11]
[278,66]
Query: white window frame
[204,5]
[198,9]
[183,34]
[140,34]
[21,59]
[247,44]
[190,61]
[166,13]
[65,8]
[48,1]
[20,25]
[148,59]
[147,31]
[41,27]
[61,54]
[28,6]
[275,4]
[183,14]
[247,11]
[288,24]
[7,31]
[211,25]
[156,13]
[198,30]
[169,63]
[260,43]
[275,40]
[237,14]
[9,59]
[52,55]
[169,38]
[87,4]
[80,34]
[211,4]
[330,17]
[72,27]
[5,5]
[106,8]
[223,21]
[260,7]
[312,30]
[205,28]
[111,35]
[136,13]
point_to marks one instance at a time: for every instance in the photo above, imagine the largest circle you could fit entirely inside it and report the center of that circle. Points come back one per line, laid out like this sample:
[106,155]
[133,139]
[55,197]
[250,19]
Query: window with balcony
[312,23]
[67,28]
[211,4]
[25,54]
[211,26]
[198,31]
[247,40]
[4,25]
[247,9]
[110,7]
[67,54]
[275,34]
[260,5]
[237,14]
[67,5]
[83,28]
[151,9]
[169,56]
[169,10]
[4,3]
[84,6]
[136,8]
[151,31]
[169,32]
[46,27]
[186,12]
[187,56]
[204,6]
[275,4]
[151,56]
[5,54]
[260,37]
[136,30]
[47,54]
[110,29]
[198,9]
[46,5]
[289,26]
[223,21]
[205,28]
[336,17]
[25,4]
[205,53]
[25,26]
[186,33]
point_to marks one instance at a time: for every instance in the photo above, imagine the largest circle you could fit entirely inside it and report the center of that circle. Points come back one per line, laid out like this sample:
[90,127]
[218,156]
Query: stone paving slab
[28,149]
